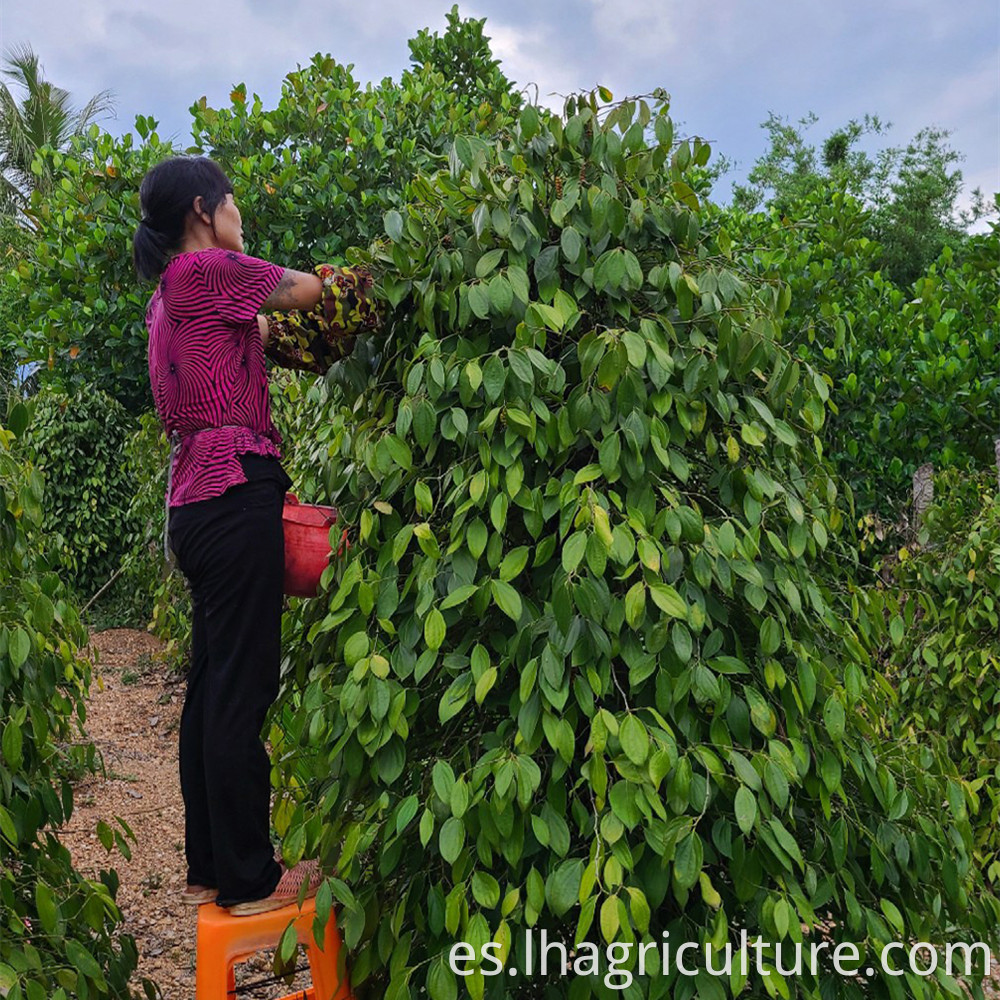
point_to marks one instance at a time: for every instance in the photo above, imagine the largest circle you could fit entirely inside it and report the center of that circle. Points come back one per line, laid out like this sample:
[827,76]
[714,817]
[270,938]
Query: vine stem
[114,576]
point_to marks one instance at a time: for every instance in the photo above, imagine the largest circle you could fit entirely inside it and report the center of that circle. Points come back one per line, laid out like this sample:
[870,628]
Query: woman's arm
[265,332]
[295,290]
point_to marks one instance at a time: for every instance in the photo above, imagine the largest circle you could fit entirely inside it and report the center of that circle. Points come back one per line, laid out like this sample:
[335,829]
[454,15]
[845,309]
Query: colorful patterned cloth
[312,341]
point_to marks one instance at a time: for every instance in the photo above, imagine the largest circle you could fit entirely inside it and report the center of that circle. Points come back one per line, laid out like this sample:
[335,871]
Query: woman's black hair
[167,195]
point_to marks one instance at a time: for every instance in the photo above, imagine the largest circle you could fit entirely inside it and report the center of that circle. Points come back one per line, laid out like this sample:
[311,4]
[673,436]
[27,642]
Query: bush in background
[945,660]
[78,442]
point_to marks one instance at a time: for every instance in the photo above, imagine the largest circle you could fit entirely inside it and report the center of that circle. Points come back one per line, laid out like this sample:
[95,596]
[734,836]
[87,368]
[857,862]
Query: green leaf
[441,981]
[407,810]
[514,562]
[529,122]
[776,784]
[571,243]
[288,944]
[635,605]
[501,295]
[48,909]
[19,647]
[488,262]
[479,300]
[895,626]
[485,890]
[834,718]
[476,537]
[494,376]
[634,739]
[688,860]
[7,827]
[746,808]
[668,600]
[83,960]
[507,599]
[393,225]
[12,744]
[434,629]
[459,595]
[562,887]
[573,551]
[610,919]
[451,839]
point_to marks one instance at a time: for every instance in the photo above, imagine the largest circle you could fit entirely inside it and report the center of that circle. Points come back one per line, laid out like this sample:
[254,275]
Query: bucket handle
[330,519]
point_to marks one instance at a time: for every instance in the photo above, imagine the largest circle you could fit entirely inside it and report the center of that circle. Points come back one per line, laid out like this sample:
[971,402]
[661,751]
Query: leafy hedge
[59,936]
[912,370]
[597,664]
[78,442]
[946,660]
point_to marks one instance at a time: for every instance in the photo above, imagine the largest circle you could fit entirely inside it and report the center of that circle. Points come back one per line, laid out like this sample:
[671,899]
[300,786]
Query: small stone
[134,794]
[154,720]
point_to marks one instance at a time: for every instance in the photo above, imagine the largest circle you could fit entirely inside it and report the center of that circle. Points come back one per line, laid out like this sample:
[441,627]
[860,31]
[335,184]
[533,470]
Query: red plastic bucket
[307,544]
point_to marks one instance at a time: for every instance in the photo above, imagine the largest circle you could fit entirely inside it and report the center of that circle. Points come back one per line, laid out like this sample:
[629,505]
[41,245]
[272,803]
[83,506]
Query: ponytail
[150,251]
[167,195]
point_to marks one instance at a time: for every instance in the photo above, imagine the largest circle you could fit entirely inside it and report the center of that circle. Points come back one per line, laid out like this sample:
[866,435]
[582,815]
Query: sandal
[196,895]
[285,892]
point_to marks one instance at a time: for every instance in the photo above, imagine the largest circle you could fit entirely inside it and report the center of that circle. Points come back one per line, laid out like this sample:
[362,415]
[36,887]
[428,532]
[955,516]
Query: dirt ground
[133,718]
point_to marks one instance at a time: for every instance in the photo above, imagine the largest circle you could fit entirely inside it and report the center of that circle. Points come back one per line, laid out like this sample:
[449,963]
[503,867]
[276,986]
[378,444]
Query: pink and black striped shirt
[206,367]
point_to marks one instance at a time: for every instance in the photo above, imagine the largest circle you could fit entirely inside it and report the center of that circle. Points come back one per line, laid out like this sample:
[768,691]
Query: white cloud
[637,28]
[527,58]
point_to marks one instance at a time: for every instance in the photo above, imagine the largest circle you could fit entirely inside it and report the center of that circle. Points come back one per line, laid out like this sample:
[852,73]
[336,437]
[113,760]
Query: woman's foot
[286,891]
[195,895]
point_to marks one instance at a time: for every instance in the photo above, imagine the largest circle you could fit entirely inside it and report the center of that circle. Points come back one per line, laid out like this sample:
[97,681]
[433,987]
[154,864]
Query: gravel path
[133,716]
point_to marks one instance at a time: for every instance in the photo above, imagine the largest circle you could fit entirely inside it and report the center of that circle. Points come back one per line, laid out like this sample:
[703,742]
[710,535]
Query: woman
[225,499]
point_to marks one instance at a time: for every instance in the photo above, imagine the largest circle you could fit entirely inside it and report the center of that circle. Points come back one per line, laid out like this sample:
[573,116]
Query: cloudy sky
[726,63]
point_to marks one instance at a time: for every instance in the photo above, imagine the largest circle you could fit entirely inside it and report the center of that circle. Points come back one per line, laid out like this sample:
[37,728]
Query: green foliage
[86,309]
[78,443]
[463,55]
[912,372]
[58,937]
[312,176]
[911,192]
[33,115]
[946,657]
[596,663]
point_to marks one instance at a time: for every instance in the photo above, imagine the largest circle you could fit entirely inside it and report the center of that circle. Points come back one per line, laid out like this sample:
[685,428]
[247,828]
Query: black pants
[231,549]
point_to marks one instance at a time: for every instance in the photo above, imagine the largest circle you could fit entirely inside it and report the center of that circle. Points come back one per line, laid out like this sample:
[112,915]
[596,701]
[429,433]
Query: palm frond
[99,106]
[35,113]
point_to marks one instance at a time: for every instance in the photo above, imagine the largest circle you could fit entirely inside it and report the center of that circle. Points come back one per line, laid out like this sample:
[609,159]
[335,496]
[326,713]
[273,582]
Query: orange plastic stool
[224,940]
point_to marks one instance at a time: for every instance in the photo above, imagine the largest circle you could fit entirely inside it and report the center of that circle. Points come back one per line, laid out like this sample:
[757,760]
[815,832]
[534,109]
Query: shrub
[597,664]
[78,443]
[59,935]
[911,369]
[945,659]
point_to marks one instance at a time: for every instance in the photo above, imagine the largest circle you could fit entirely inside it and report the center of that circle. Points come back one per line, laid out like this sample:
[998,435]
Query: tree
[41,116]
[598,663]
[911,193]
[463,55]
